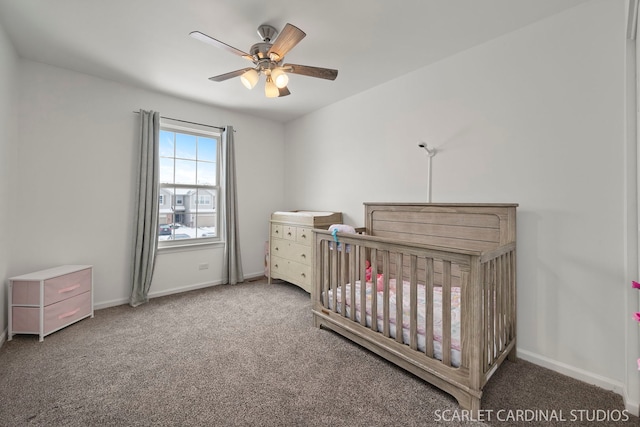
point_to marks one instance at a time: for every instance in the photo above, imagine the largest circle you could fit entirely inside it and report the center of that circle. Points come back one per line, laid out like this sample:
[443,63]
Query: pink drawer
[68,311]
[25,292]
[68,285]
[25,319]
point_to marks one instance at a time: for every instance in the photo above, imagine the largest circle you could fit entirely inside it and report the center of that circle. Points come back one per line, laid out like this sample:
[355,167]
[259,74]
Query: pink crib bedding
[437,314]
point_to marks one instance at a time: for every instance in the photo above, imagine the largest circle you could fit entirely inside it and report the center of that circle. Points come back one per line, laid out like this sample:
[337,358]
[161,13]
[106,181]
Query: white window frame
[193,129]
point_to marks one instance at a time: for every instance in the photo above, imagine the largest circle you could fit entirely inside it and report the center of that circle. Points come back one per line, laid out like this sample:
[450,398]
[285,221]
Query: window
[204,199]
[189,186]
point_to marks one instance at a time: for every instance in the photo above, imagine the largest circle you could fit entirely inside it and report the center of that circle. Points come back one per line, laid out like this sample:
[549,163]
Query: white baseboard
[122,301]
[182,289]
[582,375]
[571,371]
[112,303]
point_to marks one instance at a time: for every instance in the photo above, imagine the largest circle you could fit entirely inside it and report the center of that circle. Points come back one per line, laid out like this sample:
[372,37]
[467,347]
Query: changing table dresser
[290,239]
[45,301]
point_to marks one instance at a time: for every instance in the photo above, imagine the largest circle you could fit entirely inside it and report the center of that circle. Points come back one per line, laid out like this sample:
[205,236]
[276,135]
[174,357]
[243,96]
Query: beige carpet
[248,355]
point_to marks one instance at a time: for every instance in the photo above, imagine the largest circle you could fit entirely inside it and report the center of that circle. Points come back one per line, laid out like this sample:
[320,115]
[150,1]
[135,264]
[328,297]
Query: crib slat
[498,306]
[512,286]
[465,318]
[509,291]
[446,313]
[413,301]
[374,299]
[342,271]
[334,278]
[324,253]
[494,309]
[429,309]
[486,319]
[363,291]
[353,266]
[413,314]
[505,301]
[385,294]
[500,297]
[399,299]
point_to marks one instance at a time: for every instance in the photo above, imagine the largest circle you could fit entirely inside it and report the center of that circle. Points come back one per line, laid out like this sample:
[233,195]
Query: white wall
[535,117]
[8,146]
[75,175]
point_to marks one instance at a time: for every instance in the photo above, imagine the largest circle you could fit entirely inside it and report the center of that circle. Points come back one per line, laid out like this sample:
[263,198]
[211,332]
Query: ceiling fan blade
[306,70]
[230,75]
[284,91]
[286,40]
[217,43]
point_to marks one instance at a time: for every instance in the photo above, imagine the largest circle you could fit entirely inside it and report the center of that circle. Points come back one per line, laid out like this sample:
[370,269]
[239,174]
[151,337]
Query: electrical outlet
[203,266]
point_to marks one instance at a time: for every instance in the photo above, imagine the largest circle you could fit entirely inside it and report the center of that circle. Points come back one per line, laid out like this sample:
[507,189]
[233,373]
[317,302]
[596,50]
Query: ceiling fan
[267,58]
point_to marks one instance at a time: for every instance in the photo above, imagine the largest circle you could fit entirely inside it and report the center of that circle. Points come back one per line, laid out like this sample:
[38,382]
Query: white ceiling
[146,42]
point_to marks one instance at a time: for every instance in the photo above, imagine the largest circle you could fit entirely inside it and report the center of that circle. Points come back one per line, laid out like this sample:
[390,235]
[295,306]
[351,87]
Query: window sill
[191,247]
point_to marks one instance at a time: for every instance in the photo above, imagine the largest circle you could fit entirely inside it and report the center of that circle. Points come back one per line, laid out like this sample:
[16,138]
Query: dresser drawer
[67,286]
[26,319]
[68,311]
[292,271]
[289,232]
[55,289]
[291,251]
[304,235]
[276,231]
[26,292]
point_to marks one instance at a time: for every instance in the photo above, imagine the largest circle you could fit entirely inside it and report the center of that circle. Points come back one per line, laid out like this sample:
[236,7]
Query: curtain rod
[185,121]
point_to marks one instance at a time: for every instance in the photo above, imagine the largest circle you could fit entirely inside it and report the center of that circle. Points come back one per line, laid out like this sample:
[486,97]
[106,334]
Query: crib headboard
[468,226]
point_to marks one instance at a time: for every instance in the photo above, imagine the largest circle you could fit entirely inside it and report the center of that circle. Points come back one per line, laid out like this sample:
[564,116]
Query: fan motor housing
[260,50]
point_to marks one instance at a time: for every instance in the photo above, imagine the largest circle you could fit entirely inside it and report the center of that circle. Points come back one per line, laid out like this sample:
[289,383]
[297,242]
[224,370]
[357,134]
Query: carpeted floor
[248,355]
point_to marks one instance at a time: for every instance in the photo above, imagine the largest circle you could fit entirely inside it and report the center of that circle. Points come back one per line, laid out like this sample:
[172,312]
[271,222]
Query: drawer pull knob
[304,236]
[69,314]
[69,288]
[303,255]
[289,234]
[303,275]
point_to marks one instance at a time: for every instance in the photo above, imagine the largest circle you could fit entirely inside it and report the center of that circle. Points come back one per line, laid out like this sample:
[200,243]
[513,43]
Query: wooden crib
[447,250]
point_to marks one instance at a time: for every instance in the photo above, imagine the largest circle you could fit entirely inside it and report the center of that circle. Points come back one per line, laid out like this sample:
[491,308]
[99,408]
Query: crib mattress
[437,314]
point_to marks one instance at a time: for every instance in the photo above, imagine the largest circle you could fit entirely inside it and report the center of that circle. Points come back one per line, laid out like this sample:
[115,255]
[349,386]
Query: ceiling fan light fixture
[270,89]
[267,58]
[280,78]
[250,79]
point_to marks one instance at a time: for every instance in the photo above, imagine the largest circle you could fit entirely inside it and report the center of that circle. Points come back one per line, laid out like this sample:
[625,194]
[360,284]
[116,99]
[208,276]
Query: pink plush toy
[379,277]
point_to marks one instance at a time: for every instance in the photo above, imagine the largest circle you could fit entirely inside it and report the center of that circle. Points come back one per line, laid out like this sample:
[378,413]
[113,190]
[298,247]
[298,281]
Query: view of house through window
[188,186]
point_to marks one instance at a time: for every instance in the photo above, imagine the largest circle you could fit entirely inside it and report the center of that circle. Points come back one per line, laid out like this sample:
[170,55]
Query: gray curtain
[145,228]
[232,263]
